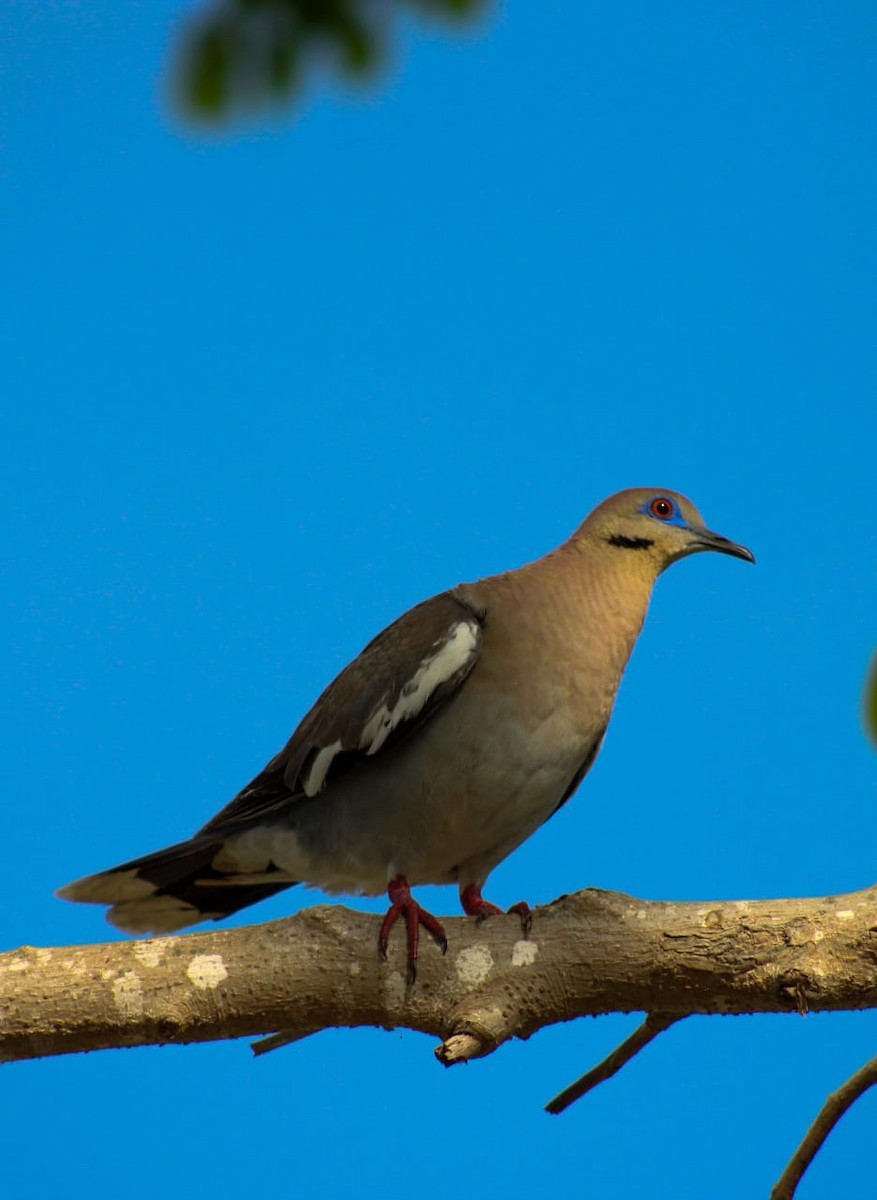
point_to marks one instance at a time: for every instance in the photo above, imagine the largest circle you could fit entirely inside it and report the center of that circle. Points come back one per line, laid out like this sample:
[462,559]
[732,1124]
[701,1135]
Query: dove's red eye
[662,508]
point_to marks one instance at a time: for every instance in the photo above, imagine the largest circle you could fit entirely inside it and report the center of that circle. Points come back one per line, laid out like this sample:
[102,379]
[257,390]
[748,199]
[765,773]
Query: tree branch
[654,1024]
[832,1111]
[590,953]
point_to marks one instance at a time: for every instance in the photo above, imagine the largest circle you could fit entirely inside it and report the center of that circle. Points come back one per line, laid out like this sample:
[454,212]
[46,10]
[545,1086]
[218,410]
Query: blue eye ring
[662,508]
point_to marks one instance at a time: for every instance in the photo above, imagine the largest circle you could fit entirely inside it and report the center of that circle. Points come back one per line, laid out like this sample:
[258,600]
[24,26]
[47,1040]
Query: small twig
[832,1111]
[654,1024]
[277,1041]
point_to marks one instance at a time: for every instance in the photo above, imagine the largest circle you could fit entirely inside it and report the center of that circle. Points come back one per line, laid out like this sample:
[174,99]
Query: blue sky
[265,390]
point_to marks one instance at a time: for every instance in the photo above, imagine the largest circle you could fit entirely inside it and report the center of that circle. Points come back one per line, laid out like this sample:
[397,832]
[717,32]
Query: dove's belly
[437,818]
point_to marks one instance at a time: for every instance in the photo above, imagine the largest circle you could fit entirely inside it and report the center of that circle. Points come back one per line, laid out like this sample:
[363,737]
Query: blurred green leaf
[870,705]
[239,56]
[207,79]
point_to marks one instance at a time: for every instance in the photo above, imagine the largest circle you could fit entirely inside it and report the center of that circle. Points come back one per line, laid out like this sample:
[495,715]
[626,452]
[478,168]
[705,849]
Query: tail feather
[174,888]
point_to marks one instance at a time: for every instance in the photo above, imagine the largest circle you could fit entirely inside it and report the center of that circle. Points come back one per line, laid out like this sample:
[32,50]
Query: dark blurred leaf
[250,55]
[283,71]
[870,706]
[208,77]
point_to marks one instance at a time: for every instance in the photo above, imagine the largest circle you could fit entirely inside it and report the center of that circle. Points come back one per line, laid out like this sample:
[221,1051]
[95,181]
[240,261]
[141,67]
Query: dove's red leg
[403,904]
[474,905]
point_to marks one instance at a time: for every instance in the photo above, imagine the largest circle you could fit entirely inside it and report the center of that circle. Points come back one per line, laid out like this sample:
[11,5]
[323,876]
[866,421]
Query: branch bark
[590,953]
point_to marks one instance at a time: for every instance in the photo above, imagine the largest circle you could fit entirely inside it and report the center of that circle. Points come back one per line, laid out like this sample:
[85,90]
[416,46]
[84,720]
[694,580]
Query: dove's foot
[474,905]
[403,904]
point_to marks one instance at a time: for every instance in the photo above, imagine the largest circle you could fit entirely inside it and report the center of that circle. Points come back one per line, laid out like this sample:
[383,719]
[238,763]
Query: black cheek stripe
[627,543]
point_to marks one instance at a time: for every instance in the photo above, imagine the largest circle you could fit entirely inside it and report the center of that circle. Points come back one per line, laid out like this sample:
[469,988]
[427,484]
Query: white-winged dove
[452,737]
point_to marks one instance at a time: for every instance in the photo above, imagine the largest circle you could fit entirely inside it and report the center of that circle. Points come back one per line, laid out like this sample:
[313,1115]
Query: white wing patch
[316,776]
[451,657]
[454,653]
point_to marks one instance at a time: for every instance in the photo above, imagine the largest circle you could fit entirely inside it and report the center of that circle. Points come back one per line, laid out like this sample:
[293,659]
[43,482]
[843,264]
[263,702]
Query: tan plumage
[455,734]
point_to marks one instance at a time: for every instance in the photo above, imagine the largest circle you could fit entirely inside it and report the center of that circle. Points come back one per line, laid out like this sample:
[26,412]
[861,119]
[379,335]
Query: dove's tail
[174,888]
